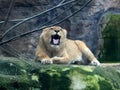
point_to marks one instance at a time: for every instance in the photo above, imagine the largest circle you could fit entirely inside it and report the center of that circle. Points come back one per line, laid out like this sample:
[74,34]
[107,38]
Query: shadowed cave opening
[110,51]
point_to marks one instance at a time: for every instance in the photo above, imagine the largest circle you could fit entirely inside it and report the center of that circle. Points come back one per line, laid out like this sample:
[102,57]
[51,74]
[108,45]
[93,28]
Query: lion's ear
[43,32]
[65,32]
[45,29]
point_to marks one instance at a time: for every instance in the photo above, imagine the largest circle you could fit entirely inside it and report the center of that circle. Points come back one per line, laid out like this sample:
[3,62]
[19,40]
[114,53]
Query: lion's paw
[95,63]
[56,60]
[46,61]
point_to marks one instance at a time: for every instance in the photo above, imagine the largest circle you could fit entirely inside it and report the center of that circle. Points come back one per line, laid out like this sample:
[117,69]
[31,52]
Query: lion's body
[66,52]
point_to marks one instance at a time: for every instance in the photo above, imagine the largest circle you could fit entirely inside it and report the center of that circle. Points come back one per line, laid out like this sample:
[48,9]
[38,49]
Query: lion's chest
[54,54]
[55,51]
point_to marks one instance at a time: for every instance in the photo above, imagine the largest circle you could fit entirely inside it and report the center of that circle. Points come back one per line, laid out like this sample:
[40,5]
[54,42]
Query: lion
[55,48]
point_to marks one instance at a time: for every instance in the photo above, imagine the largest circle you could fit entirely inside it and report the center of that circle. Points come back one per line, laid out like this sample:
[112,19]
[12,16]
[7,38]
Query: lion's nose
[56,31]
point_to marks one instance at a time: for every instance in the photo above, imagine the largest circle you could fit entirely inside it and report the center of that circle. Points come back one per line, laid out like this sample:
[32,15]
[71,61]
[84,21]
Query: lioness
[54,47]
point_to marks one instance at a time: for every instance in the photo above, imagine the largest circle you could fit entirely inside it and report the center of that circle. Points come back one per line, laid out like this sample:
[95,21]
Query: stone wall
[85,25]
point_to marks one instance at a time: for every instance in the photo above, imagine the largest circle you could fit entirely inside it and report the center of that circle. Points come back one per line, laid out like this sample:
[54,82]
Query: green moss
[34,76]
[97,82]
[13,82]
[92,83]
[14,74]
[110,75]
[87,78]
[101,79]
[54,80]
[106,85]
[111,35]
[88,69]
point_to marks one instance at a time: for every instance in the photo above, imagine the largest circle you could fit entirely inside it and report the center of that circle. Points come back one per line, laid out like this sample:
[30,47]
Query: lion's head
[54,36]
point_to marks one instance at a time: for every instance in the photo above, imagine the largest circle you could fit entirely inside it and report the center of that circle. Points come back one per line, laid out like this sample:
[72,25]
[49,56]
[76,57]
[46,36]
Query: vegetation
[111,36]
[18,74]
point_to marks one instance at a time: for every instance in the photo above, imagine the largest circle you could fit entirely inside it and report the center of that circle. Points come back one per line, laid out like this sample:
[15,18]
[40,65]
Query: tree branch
[27,19]
[8,15]
[35,30]
[15,20]
[44,24]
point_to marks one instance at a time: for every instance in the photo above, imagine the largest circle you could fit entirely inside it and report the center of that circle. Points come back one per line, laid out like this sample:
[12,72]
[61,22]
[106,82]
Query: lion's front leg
[60,60]
[42,57]
[87,53]
[95,62]
[45,60]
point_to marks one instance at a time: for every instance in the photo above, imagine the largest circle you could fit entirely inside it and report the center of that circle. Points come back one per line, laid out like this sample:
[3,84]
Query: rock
[28,75]
[83,26]
[110,34]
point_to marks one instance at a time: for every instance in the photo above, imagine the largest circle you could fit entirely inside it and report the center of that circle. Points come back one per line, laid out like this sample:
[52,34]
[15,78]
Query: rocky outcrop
[83,25]
[27,75]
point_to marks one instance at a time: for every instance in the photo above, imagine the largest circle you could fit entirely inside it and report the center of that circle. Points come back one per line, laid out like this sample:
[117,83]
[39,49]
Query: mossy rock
[18,74]
[111,36]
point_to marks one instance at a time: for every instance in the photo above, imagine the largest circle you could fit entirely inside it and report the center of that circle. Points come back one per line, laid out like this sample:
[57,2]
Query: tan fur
[68,51]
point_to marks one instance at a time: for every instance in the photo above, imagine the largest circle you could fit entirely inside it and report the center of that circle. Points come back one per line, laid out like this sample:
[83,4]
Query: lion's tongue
[56,41]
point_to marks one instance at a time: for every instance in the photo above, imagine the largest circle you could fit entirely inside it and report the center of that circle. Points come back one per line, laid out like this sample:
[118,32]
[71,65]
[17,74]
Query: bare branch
[15,20]
[74,12]
[61,2]
[8,15]
[29,18]
[44,24]
[18,20]
[35,30]
[9,51]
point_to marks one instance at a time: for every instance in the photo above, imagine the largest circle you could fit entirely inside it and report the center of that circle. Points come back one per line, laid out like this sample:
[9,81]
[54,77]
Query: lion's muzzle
[55,39]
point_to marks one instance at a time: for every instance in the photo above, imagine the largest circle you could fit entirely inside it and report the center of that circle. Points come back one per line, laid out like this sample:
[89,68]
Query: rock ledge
[18,74]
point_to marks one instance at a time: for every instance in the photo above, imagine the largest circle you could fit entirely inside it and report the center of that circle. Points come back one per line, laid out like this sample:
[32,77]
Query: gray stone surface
[84,25]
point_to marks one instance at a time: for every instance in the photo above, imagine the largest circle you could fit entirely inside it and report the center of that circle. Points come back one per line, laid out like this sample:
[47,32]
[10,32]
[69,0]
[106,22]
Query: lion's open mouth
[55,40]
